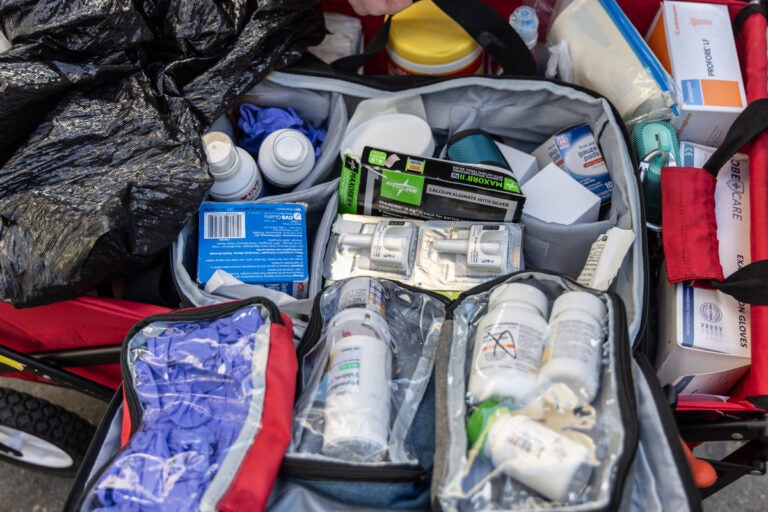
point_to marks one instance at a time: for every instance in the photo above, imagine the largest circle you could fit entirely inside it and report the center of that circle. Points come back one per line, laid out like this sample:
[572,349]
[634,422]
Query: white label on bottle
[254,193]
[362,293]
[575,339]
[511,345]
[344,375]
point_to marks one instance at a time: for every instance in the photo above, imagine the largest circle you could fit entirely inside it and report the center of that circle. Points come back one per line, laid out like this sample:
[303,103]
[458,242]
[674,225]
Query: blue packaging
[575,150]
[258,243]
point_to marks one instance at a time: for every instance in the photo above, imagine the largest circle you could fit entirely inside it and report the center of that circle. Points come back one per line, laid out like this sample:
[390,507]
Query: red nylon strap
[689,228]
[252,485]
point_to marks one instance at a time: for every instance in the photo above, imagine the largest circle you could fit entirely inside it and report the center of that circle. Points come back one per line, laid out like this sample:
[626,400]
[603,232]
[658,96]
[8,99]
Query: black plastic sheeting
[102,104]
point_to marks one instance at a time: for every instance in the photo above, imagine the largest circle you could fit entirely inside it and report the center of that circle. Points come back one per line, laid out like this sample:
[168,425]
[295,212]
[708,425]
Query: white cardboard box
[705,334]
[552,195]
[694,41]
[522,164]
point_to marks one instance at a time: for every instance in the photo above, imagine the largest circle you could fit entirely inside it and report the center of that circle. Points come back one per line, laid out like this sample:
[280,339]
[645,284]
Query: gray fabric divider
[442,421]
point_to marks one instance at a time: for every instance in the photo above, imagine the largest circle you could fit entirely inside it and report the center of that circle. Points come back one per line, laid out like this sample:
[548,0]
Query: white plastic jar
[235,173]
[509,345]
[358,398]
[540,458]
[577,331]
[286,157]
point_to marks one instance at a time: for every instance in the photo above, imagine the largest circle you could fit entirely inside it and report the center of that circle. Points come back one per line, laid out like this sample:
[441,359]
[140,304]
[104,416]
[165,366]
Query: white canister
[577,332]
[286,157]
[236,176]
[509,345]
[357,404]
[540,458]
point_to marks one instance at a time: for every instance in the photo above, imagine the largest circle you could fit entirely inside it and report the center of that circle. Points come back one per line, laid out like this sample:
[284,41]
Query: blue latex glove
[194,384]
[257,122]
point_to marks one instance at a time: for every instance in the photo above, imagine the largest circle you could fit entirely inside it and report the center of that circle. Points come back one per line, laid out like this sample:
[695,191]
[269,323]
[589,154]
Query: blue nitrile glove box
[258,243]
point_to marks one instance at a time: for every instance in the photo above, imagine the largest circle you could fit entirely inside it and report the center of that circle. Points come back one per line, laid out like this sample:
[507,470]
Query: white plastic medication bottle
[235,172]
[286,157]
[540,458]
[577,332]
[357,403]
[509,345]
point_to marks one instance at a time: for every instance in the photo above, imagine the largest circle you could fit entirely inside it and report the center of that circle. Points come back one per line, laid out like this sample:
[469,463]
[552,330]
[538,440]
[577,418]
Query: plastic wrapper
[454,256]
[100,109]
[611,58]
[199,386]
[552,451]
[384,366]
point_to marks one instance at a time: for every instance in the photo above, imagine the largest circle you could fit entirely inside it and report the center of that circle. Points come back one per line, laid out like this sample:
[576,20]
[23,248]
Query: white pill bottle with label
[509,345]
[577,329]
[357,404]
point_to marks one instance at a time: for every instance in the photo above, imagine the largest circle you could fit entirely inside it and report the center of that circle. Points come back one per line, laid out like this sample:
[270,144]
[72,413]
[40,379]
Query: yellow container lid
[424,34]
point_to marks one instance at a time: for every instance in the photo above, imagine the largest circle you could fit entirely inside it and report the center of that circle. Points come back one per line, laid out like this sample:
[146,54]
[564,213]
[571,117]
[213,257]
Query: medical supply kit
[471,314]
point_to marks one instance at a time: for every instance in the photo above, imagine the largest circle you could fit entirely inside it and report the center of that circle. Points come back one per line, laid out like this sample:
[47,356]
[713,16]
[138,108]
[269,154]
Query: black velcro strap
[751,122]
[748,284]
[745,13]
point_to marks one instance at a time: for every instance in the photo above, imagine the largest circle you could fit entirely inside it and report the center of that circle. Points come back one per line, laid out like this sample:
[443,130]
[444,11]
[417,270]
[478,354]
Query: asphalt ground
[23,490]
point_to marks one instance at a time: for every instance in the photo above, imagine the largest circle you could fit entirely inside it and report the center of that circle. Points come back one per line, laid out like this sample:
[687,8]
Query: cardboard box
[694,41]
[554,196]
[258,243]
[575,151]
[389,184]
[705,334]
[522,164]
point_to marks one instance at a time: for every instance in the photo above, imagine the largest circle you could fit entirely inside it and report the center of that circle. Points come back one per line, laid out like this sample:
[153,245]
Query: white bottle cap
[580,301]
[526,23]
[519,292]
[220,153]
[286,157]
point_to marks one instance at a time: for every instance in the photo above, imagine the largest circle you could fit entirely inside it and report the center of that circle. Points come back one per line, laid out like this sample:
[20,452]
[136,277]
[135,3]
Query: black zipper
[669,426]
[200,313]
[307,469]
[76,492]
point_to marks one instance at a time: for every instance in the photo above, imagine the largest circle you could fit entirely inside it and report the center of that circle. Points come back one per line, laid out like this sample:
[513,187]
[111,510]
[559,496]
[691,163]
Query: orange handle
[704,474]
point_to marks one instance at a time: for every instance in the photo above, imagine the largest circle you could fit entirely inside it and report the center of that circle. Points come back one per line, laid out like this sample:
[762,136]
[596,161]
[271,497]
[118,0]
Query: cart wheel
[37,434]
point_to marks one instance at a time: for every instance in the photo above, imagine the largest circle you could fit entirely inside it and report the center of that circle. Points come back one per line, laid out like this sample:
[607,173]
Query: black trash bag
[102,105]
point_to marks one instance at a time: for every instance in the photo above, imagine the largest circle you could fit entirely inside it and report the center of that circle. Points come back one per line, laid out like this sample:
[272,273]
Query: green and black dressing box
[390,184]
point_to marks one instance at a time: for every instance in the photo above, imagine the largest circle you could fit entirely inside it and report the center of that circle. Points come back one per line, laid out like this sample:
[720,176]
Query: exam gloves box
[705,335]
[257,243]
[695,43]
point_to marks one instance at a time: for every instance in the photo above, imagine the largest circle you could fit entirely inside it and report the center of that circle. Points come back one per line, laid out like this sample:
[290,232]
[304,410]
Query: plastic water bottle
[286,157]
[357,403]
[577,331]
[236,176]
[540,458]
[525,21]
[509,345]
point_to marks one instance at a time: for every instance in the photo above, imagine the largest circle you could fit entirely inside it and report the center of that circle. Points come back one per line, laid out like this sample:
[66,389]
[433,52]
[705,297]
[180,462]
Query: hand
[378,7]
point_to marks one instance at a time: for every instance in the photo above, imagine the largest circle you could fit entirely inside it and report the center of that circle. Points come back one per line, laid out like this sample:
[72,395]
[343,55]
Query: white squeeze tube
[576,334]
[357,403]
[509,345]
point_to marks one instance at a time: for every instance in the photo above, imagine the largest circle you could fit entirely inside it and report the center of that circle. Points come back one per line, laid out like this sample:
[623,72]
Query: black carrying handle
[750,283]
[482,22]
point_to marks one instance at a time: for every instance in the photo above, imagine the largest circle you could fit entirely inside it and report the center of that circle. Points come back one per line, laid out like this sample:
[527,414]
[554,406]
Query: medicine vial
[357,404]
[509,345]
[236,176]
[538,457]
[577,329]
[286,157]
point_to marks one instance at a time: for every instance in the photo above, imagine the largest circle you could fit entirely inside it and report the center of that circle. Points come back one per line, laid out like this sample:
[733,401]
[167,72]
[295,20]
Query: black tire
[47,425]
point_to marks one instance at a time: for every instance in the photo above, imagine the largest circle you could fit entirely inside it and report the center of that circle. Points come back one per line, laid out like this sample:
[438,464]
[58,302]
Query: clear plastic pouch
[553,449]
[365,366]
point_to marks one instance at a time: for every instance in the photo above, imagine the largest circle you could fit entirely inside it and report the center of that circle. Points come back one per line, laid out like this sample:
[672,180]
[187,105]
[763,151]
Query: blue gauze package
[257,123]
[257,243]
[195,386]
